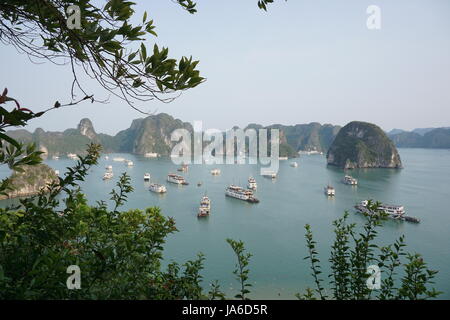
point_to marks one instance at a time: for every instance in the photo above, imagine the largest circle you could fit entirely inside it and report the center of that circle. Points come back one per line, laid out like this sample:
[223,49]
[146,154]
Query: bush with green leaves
[241,272]
[353,251]
[119,252]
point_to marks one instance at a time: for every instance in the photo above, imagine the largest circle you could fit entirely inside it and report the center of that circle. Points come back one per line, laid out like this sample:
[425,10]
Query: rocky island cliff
[363,145]
[30,182]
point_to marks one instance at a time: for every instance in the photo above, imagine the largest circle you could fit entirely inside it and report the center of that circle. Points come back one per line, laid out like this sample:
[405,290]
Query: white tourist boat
[252,184]
[393,211]
[241,194]
[294,164]
[157,188]
[350,180]
[108,175]
[330,191]
[215,172]
[119,159]
[177,179]
[147,176]
[205,207]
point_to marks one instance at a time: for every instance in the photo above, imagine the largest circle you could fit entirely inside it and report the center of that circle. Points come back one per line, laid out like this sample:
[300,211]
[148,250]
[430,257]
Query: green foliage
[188,5]
[119,253]
[262,4]
[13,153]
[241,272]
[315,266]
[352,252]
[101,46]
[417,277]
[215,293]
[171,285]
[124,185]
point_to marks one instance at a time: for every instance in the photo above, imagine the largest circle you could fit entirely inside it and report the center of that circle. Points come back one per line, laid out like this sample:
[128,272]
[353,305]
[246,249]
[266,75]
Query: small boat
[199,184]
[241,194]
[176,179]
[215,172]
[129,163]
[252,184]
[350,180]
[205,207]
[55,158]
[183,168]
[294,164]
[157,188]
[330,191]
[109,168]
[72,156]
[119,159]
[147,177]
[57,172]
[106,158]
[108,175]
[151,155]
[269,174]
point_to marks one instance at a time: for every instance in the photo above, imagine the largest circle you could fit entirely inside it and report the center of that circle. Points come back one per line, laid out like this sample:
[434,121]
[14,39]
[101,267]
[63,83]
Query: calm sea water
[273,230]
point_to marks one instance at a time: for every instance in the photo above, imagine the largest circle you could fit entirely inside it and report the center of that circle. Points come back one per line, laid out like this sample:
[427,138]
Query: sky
[302,61]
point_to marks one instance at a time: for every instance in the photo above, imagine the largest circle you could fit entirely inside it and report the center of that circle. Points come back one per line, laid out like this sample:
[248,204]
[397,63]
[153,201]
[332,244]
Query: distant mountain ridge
[423,131]
[152,135]
[438,138]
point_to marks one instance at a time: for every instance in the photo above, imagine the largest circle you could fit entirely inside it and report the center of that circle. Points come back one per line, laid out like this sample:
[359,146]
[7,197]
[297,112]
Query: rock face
[150,134]
[363,145]
[87,129]
[30,181]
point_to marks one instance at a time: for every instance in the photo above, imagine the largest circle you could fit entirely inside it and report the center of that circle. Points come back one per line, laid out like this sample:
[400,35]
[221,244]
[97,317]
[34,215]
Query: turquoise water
[273,230]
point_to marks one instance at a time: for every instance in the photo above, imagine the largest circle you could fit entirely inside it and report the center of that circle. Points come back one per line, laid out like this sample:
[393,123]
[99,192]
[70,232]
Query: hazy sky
[303,61]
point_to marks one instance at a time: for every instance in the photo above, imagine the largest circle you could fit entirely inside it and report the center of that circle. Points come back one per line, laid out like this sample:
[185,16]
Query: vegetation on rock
[363,145]
[30,181]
